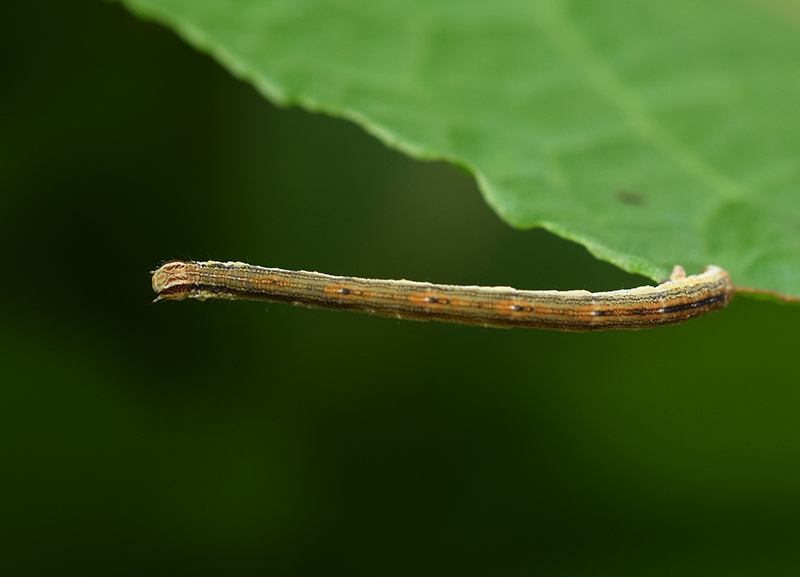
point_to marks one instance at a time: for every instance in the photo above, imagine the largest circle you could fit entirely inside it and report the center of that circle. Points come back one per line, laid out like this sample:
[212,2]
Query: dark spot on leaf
[631,197]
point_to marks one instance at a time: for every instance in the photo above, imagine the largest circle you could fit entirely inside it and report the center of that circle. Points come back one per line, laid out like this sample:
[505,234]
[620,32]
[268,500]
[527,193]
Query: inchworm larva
[678,299]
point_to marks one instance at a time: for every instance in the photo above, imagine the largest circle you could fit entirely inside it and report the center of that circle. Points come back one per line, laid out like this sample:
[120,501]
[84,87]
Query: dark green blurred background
[239,438]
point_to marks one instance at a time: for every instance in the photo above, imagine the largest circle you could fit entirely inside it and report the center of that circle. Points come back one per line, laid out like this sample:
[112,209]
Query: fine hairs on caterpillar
[678,299]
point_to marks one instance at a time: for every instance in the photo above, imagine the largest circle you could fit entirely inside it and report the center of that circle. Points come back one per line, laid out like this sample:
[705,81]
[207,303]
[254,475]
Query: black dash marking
[695,304]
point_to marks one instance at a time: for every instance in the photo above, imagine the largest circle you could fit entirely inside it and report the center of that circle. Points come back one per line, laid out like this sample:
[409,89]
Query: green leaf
[654,133]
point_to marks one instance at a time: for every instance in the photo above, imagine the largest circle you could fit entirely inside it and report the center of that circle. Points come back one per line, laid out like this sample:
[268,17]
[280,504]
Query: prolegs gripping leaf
[653,133]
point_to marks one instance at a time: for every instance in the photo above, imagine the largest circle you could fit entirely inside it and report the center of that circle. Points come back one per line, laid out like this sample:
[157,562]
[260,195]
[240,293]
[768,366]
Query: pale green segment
[655,133]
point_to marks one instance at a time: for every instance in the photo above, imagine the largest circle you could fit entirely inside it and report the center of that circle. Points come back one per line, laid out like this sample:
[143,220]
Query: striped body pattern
[676,300]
